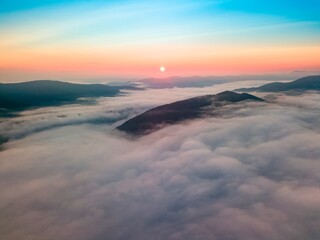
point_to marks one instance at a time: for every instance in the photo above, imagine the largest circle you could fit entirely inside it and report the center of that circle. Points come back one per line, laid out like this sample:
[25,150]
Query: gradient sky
[47,39]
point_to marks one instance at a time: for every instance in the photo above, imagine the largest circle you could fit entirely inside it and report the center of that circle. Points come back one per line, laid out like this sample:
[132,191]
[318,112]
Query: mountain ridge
[179,111]
[301,84]
[43,93]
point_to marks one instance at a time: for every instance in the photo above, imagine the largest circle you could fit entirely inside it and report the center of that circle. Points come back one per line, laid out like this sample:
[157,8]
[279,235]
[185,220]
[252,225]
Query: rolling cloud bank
[252,173]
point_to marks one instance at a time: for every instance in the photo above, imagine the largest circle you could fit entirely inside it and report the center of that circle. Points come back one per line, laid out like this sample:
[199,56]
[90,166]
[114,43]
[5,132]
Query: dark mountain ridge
[302,84]
[41,93]
[180,111]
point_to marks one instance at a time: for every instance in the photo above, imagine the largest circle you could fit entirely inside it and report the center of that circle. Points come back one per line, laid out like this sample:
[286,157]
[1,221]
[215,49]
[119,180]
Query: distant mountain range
[41,93]
[180,111]
[207,81]
[302,84]
[183,82]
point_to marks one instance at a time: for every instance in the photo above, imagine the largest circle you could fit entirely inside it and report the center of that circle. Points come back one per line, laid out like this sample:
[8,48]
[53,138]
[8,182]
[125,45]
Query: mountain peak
[176,112]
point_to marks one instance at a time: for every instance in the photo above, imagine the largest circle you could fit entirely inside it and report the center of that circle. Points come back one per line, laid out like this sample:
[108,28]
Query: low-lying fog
[253,173]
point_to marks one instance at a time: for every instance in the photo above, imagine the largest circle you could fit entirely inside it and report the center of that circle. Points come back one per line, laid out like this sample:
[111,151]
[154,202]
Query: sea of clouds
[253,173]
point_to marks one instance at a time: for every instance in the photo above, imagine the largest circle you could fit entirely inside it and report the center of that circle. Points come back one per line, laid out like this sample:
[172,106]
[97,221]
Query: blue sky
[294,9]
[306,10]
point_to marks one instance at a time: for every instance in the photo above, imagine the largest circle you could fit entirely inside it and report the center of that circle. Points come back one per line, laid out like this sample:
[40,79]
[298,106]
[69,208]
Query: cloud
[252,174]
[106,111]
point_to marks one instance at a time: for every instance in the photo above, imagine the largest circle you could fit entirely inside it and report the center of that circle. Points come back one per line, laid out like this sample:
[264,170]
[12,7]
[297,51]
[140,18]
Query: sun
[162,69]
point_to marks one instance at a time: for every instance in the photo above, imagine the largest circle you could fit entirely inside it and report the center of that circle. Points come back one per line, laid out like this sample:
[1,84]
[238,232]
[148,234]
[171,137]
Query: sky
[72,40]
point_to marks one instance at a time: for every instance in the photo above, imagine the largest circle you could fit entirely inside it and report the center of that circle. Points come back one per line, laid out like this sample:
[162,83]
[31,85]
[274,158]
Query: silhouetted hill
[180,111]
[302,84]
[19,96]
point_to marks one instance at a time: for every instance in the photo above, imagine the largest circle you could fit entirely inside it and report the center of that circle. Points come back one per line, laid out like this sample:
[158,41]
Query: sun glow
[162,69]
